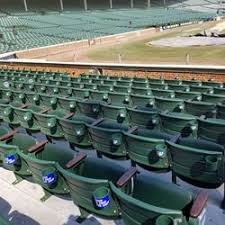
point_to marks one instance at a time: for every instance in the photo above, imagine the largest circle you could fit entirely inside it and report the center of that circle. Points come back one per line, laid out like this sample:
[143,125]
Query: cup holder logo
[101,197]
[102,203]
[49,178]
[10,159]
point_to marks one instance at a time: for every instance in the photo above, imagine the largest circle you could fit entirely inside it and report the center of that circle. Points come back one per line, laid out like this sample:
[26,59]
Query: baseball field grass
[139,51]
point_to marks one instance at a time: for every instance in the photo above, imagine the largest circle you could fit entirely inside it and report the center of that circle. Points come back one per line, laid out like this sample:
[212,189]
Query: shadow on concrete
[14,217]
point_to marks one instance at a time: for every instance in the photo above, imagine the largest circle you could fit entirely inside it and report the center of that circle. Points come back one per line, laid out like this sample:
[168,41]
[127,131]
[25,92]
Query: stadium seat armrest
[45,110]
[132,130]
[199,204]
[69,115]
[175,138]
[98,121]
[24,106]
[9,135]
[37,147]
[78,158]
[126,177]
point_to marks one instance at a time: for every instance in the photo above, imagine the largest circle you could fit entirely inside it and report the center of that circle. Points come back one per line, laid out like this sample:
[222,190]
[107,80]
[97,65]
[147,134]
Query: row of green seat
[136,88]
[102,92]
[93,99]
[98,186]
[120,81]
[73,121]
[26,76]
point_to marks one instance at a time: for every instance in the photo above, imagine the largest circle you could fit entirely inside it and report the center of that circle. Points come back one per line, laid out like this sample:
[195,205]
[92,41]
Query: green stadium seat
[192,82]
[197,162]
[147,148]
[121,89]
[199,108]
[212,84]
[48,123]
[140,79]
[25,117]
[110,82]
[163,93]
[178,123]
[139,84]
[80,93]
[173,82]
[118,99]
[156,81]
[202,89]
[9,114]
[158,86]
[158,205]
[113,113]
[16,143]
[143,118]
[141,91]
[107,138]
[75,84]
[90,86]
[67,104]
[42,159]
[220,112]
[188,95]
[105,87]
[169,104]
[124,83]
[88,180]
[75,130]
[141,100]
[213,98]
[219,91]
[101,96]
[211,130]
[90,108]
[178,87]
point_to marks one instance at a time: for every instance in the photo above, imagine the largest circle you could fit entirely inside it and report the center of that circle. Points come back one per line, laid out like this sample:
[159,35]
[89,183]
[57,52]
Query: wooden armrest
[8,135]
[98,121]
[132,130]
[199,204]
[126,176]
[24,106]
[37,147]
[69,115]
[175,138]
[78,158]
[45,110]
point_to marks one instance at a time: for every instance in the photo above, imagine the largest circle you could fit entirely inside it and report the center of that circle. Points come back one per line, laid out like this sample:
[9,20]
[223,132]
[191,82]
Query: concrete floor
[20,203]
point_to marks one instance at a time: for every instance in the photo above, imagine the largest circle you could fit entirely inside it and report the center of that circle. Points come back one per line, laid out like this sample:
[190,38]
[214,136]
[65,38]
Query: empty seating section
[44,25]
[160,125]
[200,5]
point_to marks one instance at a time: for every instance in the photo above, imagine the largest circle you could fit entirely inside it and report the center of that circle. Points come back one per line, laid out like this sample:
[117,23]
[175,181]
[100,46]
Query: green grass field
[140,52]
